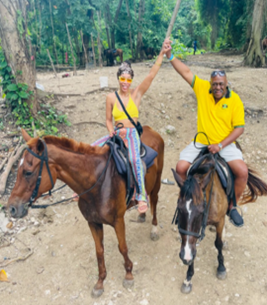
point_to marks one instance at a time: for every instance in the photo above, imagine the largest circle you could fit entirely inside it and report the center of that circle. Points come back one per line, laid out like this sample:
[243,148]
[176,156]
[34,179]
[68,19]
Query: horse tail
[256,187]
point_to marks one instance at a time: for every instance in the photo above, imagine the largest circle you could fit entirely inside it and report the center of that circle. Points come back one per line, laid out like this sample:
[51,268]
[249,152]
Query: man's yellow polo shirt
[216,120]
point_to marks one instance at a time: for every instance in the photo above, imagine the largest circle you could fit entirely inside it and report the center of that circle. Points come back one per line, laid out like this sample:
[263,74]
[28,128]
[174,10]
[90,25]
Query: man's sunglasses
[220,73]
[123,79]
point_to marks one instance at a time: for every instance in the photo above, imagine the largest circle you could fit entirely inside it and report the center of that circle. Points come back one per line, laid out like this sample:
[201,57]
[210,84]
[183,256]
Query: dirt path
[63,268]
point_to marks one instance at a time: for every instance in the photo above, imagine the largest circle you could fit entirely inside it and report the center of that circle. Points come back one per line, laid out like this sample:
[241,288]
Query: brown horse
[202,201]
[110,55]
[80,165]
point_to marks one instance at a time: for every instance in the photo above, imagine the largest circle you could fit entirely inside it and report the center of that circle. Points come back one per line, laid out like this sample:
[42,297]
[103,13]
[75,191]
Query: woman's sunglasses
[215,73]
[123,79]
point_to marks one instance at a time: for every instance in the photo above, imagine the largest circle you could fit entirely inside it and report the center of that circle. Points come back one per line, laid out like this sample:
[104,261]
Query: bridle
[44,159]
[201,234]
[175,220]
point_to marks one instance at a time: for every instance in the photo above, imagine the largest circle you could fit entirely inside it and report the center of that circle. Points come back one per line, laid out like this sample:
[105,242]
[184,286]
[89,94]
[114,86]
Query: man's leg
[240,171]
[182,168]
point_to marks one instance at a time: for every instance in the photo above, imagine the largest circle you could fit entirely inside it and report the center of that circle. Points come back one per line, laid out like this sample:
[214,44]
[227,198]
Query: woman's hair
[125,67]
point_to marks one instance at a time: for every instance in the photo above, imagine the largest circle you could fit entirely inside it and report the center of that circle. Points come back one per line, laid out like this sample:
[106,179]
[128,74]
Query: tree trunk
[98,40]
[174,14]
[107,24]
[139,53]
[93,49]
[72,53]
[40,22]
[130,30]
[113,24]
[53,32]
[254,56]
[15,49]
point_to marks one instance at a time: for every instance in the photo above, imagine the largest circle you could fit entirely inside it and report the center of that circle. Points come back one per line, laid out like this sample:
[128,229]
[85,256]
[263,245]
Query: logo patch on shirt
[224,106]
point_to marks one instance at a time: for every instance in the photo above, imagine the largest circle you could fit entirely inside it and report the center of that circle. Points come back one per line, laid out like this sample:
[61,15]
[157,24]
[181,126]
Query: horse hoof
[96,293]
[141,218]
[154,236]
[221,275]
[186,288]
[128,283]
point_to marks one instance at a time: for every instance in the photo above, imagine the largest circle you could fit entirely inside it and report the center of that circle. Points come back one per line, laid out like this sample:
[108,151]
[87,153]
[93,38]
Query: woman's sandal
[142,207]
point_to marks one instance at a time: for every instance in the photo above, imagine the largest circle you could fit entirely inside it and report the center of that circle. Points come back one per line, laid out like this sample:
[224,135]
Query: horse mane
[67,144]
[191,189]
[192,185]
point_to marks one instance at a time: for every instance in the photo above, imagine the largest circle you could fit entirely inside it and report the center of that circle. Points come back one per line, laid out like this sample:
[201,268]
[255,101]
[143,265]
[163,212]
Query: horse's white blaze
[187,251]
[154,229]
[21,161]
[188,208]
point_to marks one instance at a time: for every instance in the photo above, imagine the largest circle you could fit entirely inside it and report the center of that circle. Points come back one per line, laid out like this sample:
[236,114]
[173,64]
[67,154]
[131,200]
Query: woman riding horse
[131,99]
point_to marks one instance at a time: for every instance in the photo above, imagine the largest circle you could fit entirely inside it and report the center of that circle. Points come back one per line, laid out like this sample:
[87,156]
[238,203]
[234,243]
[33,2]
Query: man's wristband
[220,146]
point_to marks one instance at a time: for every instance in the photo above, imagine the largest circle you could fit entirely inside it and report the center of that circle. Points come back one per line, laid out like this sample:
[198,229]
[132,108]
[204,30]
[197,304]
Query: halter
[43,158]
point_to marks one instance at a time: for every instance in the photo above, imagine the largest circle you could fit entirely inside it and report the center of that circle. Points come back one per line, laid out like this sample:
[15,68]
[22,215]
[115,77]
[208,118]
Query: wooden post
[93,48]
[73,57]
[174,14]
[85,52]
[51,62]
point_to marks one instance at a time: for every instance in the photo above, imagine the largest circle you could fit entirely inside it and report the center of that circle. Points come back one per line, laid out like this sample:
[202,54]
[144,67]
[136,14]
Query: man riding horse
[221,118]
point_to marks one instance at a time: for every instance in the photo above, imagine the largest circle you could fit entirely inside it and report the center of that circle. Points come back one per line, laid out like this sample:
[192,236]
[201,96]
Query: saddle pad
[119,156]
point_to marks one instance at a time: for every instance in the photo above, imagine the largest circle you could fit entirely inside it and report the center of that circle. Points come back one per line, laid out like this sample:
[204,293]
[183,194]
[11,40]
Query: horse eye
[28,174]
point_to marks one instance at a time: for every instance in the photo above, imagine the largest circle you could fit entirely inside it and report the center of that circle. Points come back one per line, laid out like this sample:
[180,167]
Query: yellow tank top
[131,109]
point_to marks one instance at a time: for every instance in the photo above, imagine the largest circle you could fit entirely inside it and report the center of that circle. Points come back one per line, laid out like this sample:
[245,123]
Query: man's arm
[236,133]
[180,67]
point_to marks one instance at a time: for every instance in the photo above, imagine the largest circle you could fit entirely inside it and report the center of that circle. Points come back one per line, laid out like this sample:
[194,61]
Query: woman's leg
[133,142]
[101,141]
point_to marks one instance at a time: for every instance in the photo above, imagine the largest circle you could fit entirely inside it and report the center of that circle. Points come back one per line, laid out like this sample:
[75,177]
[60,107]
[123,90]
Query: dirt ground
[62,267]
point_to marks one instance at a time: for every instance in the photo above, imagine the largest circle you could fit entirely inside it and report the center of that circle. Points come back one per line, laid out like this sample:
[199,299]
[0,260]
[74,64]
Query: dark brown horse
[202,201]
[111,54]
[80,165]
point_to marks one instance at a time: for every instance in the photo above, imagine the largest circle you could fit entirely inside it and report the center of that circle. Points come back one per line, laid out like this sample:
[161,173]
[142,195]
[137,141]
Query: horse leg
[221,271]
[187,285]
[120,232]
[97,232]
[153,202]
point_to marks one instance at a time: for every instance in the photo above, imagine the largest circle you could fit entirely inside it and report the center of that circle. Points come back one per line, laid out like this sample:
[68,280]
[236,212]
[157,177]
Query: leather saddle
[222,168]
[121,159]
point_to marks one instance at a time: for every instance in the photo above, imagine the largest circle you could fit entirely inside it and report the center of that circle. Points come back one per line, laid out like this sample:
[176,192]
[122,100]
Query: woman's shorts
[228,153]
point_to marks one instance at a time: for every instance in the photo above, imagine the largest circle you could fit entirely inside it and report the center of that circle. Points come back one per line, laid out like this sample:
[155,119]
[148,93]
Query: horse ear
[25,135]
[40,146]
[178,179]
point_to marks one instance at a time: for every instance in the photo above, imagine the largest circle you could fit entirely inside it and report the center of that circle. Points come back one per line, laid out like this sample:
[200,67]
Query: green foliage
[18,97]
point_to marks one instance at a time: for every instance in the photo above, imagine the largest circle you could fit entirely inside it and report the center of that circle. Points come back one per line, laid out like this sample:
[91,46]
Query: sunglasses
[215,73]
[123,79]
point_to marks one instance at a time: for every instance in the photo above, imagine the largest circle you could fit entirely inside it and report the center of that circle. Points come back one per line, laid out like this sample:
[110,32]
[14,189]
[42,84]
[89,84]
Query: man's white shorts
[229,153]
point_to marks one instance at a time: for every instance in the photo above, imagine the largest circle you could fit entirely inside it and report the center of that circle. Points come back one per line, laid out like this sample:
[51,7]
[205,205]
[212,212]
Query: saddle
[223,170]
[121,159]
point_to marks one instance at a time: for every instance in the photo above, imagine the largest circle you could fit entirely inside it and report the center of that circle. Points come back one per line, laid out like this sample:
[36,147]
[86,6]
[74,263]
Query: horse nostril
[12,211]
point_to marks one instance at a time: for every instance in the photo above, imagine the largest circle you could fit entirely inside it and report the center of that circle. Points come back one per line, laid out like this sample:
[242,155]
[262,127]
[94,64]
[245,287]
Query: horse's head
[191,207]
[27,176]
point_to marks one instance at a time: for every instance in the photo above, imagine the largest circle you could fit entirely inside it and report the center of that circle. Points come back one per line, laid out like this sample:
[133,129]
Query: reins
[44,158]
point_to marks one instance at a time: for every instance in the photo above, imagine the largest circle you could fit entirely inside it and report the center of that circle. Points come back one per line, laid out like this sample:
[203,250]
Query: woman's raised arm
[143,87]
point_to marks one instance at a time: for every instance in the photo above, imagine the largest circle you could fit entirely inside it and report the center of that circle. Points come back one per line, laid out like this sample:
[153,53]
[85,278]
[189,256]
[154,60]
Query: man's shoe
[235,218]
